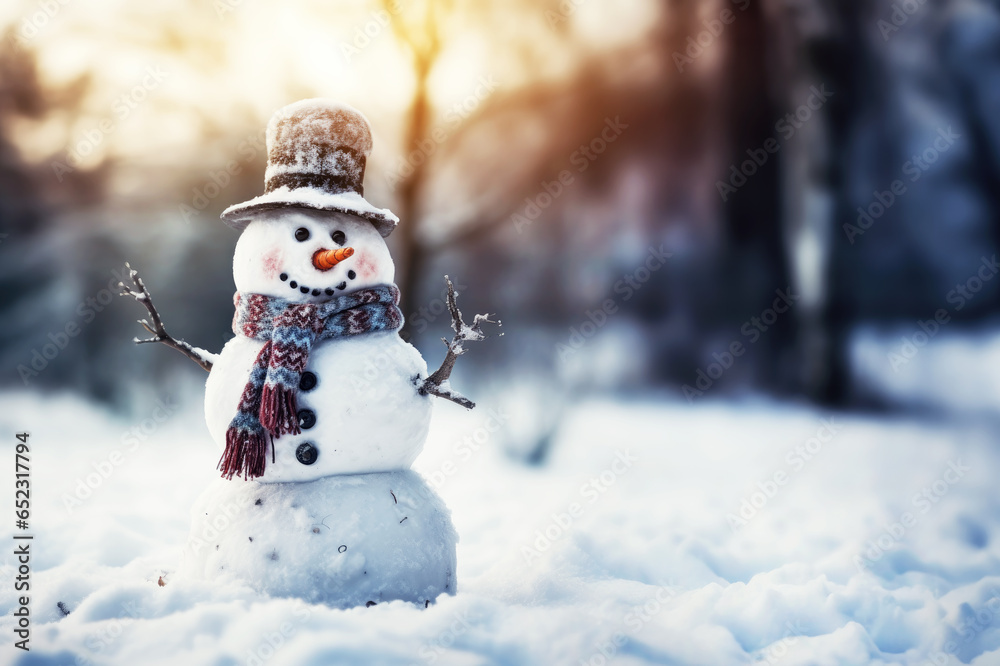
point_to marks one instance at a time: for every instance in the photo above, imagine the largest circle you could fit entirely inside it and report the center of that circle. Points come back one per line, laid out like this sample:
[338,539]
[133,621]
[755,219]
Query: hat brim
[239,215]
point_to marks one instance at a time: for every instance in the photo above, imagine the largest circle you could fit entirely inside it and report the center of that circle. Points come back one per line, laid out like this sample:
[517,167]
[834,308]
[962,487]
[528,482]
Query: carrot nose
[324,260]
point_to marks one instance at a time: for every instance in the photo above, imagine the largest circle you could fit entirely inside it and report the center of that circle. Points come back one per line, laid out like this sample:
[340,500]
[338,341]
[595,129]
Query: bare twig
[437,383]
[141,294]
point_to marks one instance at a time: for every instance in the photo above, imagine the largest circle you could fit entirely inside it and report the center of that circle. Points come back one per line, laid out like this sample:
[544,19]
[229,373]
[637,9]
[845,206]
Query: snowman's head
[307,255]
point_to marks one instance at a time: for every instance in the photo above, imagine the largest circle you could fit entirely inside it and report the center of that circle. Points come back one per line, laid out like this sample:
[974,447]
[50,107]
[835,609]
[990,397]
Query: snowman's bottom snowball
[342,540]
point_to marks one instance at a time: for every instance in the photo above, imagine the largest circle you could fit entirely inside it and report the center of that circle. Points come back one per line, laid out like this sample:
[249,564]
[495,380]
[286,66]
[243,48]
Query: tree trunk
[412,252]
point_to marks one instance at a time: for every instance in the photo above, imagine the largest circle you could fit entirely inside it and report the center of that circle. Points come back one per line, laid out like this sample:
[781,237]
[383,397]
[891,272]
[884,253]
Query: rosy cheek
[365,266]
[272,263]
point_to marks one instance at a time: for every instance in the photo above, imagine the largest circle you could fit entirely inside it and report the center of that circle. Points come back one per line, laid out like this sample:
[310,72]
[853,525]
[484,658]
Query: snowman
[317,403]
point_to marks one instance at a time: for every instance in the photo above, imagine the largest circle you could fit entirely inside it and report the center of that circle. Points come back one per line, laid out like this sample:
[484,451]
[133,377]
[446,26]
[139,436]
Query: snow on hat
[316,153]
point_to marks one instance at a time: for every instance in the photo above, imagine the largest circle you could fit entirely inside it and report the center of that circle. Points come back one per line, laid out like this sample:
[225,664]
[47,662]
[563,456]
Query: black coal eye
[339,237]
[301,234]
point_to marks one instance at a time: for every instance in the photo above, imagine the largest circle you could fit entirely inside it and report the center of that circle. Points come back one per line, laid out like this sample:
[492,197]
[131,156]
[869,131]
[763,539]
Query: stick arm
[437,383]
[139,292]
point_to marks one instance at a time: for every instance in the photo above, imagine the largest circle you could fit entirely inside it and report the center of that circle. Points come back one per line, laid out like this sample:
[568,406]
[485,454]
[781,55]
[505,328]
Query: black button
[306,453]
[307,382]
[307,418]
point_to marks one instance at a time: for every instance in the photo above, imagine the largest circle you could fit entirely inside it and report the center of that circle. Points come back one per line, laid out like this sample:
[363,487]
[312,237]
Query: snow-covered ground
[657,532]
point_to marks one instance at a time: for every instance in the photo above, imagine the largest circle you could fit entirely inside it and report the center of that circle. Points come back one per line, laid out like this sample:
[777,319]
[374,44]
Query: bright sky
[162,72]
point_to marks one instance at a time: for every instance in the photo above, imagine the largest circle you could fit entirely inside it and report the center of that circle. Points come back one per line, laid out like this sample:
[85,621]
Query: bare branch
[141,294]
[422,38]
[437,383]
[431,389]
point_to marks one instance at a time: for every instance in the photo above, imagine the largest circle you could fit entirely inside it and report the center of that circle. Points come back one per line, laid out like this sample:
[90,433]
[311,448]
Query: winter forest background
[713,224]
[538,153]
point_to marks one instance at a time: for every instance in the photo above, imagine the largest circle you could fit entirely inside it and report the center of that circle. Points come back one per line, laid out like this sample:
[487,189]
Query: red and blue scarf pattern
[267,406]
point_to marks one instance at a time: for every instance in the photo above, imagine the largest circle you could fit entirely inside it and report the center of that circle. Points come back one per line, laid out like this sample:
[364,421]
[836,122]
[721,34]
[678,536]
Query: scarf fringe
[267,407]
[244,455]
[278,410]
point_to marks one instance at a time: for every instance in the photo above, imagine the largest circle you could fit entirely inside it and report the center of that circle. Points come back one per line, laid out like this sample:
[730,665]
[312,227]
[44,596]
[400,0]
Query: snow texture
[349,202]
[950,369]
[204,355]
[619,544]
[341,540]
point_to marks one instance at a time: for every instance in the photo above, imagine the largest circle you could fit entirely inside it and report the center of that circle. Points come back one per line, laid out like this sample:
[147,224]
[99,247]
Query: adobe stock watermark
[635,620]
[561,14]
[424,148]
[131,440]
[752,329]
[56,341]
[218,180]
[581,158]
[387,360]
[225,7]
[713,29]
[363,35]
[973,624]
[427,314]
[461,623]
[911,344]
[912,169]
[466,448]
[591,491]
[923,501]
[273,641]
[109,633]
[785,128]
[970,626]
[627,286]
[795,460]
[778,650]
[31,25]
[210,531]
[121,108]
[899,17]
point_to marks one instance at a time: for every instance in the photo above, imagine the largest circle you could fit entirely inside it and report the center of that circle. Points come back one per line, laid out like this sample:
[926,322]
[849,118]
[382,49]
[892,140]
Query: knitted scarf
[289,330]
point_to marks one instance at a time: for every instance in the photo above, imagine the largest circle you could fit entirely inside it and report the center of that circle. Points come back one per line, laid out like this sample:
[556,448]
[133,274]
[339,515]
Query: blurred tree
[418,28]
[915,110]
[33,289]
